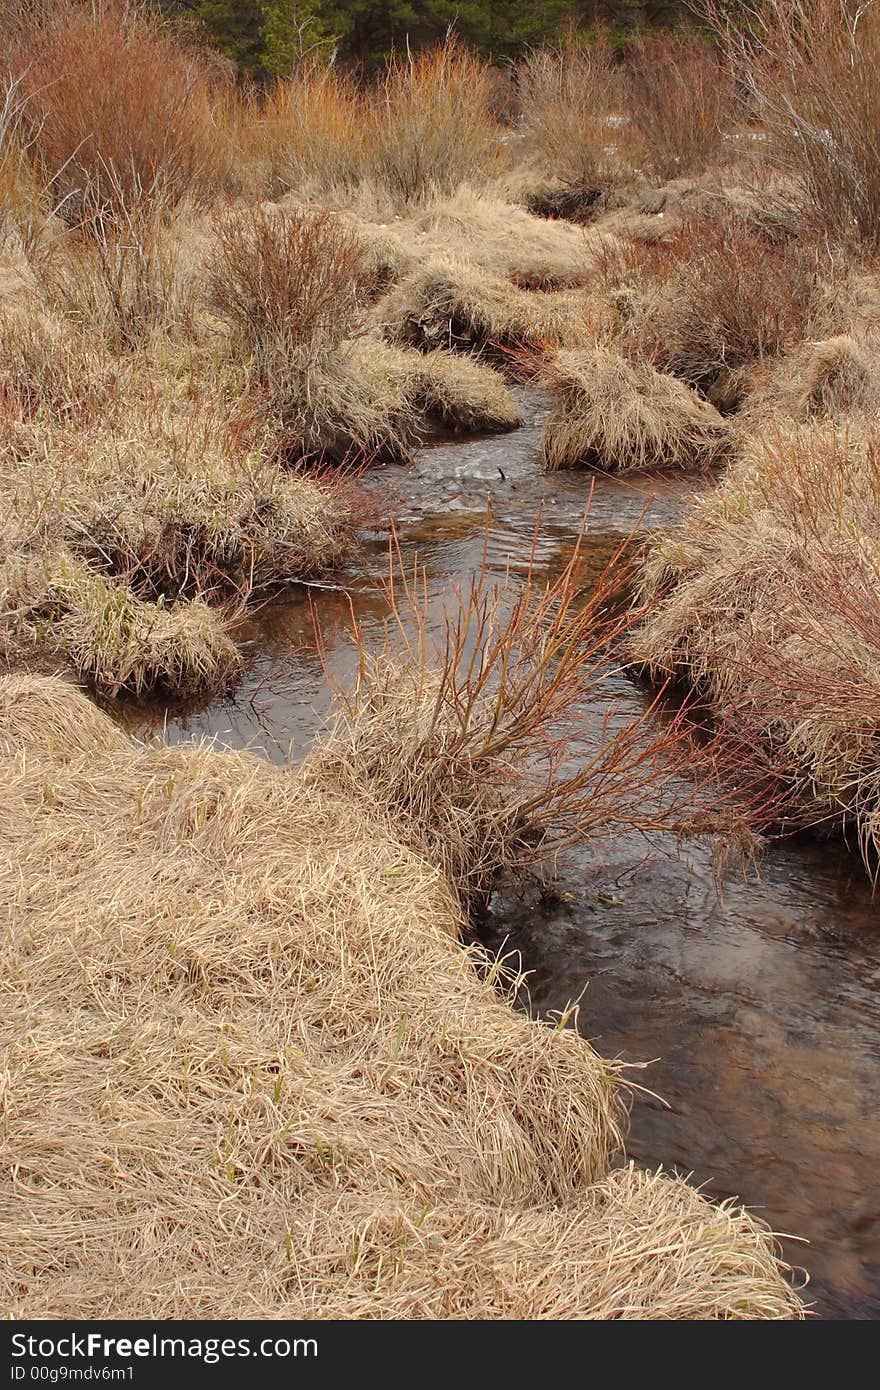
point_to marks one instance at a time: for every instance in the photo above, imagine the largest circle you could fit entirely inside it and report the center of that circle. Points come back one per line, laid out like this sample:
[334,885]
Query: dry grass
[680,102]
[447,303]
[812,70]
[840,376]
[568,95]
[384,1134]
[498,237]
[431,124]
[117,106]
[768,596]
[462,393]
[157,497]
[617,415]
[452,390]
[835,378]
[122,279]
[115,641]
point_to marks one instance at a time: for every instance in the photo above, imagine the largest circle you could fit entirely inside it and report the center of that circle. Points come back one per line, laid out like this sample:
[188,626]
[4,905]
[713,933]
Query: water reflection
[761,1009]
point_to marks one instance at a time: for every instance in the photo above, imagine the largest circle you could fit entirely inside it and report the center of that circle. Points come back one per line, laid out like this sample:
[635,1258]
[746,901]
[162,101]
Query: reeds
[571,96]
[21,214]
[424,127]
[680,102]
[812,71]
[310,132]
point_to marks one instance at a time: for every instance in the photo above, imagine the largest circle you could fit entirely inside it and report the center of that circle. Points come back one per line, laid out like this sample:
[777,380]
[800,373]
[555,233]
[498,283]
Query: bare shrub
[738,293]
[291,282]
[680,101]
[475,744]
[431,125]
[118,105]
[569,97]
[292,285]
[812,71]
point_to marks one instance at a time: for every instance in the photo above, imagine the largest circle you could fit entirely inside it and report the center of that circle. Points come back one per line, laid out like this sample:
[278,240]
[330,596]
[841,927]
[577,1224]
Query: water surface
[759,1010]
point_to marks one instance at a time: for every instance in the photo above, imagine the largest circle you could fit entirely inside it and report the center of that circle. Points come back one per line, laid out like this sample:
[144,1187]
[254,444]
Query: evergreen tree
[266,37]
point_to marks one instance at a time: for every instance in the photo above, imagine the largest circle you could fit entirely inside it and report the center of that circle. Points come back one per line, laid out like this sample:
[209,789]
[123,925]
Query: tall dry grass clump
[452,304]
[812,70]
[309,132]
[118,104]
[618,416]
[431,124]
[315,1055]
[680,102]
[767,596]
[570,96]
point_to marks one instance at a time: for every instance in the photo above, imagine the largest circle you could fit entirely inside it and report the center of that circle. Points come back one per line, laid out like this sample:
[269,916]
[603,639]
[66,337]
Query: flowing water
[759,1010]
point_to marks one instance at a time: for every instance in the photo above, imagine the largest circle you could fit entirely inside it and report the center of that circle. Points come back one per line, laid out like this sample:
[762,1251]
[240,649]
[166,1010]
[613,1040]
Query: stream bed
[759,1009]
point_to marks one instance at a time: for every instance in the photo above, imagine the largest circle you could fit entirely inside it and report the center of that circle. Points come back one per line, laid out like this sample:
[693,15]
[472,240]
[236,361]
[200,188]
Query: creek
[758,1009]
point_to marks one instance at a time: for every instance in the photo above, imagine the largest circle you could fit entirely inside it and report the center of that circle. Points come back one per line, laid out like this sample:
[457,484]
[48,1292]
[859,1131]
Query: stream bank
[760,1008]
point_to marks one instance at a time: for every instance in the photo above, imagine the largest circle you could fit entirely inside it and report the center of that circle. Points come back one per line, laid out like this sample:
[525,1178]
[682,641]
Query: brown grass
[383,1133]
[617,415]
[121,279]
[680,102]
[835,378]
[498,237]
[768,596]
[812,70]
[452,390]
[120,644]
[840,376]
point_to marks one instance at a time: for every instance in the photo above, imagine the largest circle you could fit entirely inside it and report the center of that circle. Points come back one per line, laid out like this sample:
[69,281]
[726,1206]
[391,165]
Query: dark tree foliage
[265,36]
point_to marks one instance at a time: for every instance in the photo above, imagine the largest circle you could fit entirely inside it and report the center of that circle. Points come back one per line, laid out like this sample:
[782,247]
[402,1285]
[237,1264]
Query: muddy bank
[761,1009]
